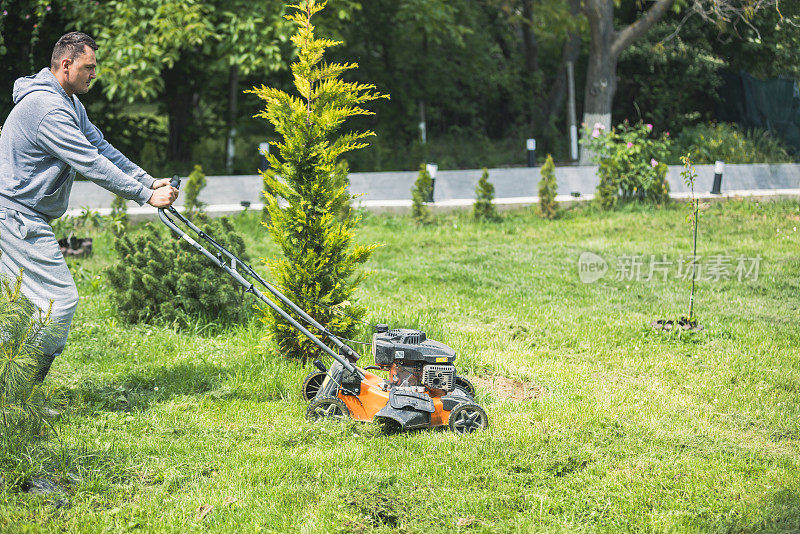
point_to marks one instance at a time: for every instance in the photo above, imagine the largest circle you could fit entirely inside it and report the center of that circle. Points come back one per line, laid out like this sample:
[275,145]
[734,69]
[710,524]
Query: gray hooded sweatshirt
[45,139]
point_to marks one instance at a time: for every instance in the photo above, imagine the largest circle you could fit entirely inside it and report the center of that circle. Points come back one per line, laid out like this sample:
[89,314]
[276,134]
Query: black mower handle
[231,270]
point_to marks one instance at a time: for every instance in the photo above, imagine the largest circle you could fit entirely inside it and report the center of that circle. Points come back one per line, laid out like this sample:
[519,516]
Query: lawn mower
[422,389]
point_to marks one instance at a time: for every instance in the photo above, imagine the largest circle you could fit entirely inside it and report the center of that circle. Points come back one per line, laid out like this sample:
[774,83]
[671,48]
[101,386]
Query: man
[46,138]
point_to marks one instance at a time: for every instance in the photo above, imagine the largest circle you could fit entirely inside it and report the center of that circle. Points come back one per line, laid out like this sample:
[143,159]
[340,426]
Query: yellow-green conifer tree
[304,192]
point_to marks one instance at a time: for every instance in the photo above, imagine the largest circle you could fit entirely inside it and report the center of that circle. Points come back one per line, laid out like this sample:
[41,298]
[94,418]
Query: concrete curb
[403,206]
[391,191]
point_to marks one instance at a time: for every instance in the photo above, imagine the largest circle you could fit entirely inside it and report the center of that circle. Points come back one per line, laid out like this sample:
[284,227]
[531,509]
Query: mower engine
[415,361]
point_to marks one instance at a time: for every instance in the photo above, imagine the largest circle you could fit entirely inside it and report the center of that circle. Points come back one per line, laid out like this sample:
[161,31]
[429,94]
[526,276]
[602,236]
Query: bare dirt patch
[507,388]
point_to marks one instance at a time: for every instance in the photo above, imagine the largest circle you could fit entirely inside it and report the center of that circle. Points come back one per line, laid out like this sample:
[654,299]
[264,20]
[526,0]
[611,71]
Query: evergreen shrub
[191,190]
[484,209]
[306,191]
[548,207]
[160,279]
[421,192]
[23,330]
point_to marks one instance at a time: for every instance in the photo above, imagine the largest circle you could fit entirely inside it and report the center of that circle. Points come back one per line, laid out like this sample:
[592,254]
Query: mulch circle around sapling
[55,489]
[668,325]
[76,247]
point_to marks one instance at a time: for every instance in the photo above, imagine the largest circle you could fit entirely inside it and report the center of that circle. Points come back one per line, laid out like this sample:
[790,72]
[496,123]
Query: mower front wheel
[327,407]
[312,384]
[467,417]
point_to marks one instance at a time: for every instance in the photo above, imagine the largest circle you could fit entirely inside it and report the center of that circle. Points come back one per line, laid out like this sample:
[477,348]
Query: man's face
[81,72]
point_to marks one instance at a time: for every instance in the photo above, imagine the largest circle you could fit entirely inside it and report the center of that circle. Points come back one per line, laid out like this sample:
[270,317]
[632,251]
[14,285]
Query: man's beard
[83,90]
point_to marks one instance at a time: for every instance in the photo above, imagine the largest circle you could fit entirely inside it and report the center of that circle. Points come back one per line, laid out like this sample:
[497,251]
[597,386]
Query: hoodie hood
[42,81]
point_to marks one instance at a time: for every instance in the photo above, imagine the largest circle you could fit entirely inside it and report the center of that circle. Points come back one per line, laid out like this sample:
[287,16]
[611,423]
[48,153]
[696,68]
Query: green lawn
[635,430]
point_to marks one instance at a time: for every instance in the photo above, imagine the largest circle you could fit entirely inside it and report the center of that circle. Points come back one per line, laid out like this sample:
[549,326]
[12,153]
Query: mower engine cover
[409,345]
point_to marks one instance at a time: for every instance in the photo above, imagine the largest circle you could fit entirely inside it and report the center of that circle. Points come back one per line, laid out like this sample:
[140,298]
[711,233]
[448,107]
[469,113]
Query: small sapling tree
[304,193]
[548,187]
[483,209]
[420,194]
[687,322]
[689,176]
[194,184]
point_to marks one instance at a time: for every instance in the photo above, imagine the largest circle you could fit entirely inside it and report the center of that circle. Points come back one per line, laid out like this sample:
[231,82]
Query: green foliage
[340,180]
[631,164]
[766,46]
[652,76]
[484,209]
[548,188]
[465,61]
[161,279]
[194,184]
[119,206]
[607,192]
[421,194]
[119,215]
[707,143]
[456,150]
[69,227]
[319,267]
[141,39]
[23,330]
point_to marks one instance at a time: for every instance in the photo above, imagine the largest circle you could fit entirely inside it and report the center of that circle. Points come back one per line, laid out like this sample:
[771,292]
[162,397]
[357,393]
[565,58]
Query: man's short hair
[70,46]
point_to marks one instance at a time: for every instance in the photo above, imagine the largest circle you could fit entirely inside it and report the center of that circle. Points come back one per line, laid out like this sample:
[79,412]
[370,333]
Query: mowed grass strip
[630,430]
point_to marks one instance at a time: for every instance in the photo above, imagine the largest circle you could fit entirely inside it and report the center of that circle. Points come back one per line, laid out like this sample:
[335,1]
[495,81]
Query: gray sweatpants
[29,243]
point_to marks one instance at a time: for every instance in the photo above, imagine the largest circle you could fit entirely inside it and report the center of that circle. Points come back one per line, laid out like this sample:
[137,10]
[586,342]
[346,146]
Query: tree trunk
[233,95]
[179,98]
[606,46]
[569,54]
[423,118]
[601,71]
[529,44]
[601,84]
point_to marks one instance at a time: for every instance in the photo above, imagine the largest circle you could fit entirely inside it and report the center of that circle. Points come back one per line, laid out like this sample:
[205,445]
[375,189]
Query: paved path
[513,187]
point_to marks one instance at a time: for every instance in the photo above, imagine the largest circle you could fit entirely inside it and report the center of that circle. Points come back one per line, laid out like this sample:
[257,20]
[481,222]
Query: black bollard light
[263,150]
[531,145]
[719,168]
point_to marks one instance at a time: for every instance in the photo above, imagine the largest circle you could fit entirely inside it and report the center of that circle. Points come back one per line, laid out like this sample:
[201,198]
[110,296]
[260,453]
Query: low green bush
[707,143]
[421,194]
[119,215]
[484,209]
[548,188]
[194,184]
[631,163]
[161,279]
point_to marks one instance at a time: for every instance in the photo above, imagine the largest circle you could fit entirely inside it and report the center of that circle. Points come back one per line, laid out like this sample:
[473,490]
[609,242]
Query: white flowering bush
[631,163]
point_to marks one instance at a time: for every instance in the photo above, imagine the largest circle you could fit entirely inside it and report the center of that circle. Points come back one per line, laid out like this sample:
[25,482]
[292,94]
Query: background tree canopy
[480,75]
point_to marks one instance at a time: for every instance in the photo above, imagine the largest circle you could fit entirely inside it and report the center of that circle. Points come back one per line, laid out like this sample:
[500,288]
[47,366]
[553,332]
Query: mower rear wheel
[467,417]
[327,407]
[312,384]
[465,386]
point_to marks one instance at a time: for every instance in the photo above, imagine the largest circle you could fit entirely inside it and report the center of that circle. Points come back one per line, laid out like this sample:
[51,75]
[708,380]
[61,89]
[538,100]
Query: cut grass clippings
[626,428]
